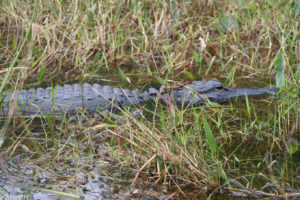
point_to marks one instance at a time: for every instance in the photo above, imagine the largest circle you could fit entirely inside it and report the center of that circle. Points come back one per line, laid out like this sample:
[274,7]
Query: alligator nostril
[219,87]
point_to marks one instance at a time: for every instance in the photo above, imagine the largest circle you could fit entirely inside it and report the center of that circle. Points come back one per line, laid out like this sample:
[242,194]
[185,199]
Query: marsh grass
[238,147]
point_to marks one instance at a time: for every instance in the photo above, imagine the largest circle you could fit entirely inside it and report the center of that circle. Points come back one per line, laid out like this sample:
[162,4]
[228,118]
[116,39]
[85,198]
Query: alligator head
[200,92]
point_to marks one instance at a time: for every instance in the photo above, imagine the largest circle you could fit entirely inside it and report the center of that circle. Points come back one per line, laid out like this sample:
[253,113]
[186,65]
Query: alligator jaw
[232,94]
[251,92]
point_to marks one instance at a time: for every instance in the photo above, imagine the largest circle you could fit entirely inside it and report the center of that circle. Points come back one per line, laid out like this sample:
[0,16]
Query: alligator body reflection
[93,98]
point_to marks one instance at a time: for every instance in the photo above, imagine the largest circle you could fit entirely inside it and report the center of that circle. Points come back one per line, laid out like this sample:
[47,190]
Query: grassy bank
[245,148]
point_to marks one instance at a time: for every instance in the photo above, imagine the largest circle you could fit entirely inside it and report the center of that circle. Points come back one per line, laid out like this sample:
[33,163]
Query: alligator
[93,98]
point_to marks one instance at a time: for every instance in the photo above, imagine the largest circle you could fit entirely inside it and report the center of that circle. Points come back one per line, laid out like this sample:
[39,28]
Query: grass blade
[209,135]
[280,71]
[124,78]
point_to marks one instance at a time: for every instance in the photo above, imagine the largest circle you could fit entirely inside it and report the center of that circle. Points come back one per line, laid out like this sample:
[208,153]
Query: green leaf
[248,107]
[197,58]
[189,75]
[91,16]
[59,4]
[49,121]
[296,8]
[210,65]
[237,184]
[174,8]
[96,60]
[280,71]
[124,78]
[293,148]
[209,136]
[41,74]
[242,4]
[167,48]
[2,99]
[60,193]
[228,24]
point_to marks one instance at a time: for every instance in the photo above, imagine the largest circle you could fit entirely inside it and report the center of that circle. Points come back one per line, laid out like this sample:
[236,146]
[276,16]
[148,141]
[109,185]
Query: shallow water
[21,179]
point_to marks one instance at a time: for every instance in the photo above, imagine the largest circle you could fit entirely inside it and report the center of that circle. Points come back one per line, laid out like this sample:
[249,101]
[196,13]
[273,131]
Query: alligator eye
[219,87]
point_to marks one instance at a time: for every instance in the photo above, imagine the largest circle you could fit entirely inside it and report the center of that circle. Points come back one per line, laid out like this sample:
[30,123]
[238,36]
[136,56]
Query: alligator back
[70,98]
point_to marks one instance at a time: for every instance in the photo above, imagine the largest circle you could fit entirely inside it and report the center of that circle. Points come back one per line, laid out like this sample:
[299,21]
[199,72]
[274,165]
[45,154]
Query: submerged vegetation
[248,148]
